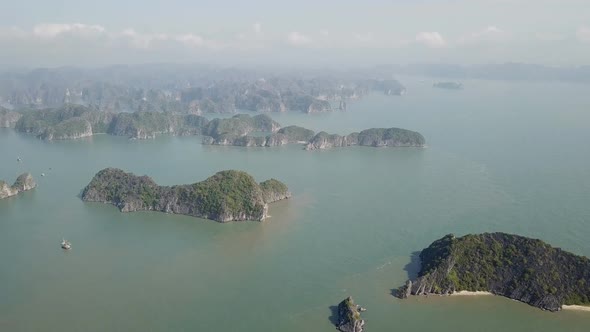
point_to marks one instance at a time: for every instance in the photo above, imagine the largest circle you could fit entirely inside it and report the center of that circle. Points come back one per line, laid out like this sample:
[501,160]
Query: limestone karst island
[517,267]
[77,121]
[23,183]
[226,196]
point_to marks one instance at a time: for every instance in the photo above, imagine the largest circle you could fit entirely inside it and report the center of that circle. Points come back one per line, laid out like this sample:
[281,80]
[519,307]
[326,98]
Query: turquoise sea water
[501,156]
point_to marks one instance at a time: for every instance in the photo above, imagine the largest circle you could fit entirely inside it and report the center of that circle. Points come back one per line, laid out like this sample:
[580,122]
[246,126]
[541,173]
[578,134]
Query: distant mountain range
[200,89]
[186,89]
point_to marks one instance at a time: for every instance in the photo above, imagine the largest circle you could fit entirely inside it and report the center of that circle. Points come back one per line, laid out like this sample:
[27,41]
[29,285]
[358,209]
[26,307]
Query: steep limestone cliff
[23,183]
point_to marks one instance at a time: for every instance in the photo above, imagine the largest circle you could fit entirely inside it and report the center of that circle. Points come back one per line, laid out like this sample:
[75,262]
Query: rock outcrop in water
[349,317]
[8,118]
[23,183]
[375,137]
[513,266]
[226,196]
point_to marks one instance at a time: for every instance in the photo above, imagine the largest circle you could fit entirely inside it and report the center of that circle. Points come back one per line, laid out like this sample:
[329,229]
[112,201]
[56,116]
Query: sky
[291,33]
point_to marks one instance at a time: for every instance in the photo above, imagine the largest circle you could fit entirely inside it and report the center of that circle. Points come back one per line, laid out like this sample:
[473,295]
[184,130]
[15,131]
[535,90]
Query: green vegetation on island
[524,269]
[76,121]
[241,125]
[375,137]
[226,196]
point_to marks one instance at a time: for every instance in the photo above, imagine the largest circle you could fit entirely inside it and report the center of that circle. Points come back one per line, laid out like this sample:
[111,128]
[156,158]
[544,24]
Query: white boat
[66,245]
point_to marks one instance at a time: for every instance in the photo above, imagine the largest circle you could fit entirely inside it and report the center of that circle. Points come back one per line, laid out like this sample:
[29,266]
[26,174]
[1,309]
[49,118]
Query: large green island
[226,196]
[520,268]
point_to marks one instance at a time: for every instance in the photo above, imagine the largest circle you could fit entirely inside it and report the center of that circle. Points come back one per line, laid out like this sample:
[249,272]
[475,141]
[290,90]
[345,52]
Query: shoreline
[470,293]
[575,307]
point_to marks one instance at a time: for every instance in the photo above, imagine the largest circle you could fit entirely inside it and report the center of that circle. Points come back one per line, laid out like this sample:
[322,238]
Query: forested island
[374,137]
[226,196]
[520,268]
[76,121]
[23,183]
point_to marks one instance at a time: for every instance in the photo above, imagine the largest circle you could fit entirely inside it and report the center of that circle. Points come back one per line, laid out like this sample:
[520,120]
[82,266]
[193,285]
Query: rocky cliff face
[323,140]
[23,183]
[517,267]
[8,118]
[226,196]
[349,317]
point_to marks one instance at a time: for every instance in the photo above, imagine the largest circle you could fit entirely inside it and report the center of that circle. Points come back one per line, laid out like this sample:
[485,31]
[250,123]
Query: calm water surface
[510,157]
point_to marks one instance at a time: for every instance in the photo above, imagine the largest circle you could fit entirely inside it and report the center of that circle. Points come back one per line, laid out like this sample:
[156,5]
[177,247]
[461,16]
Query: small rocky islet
[24,182]
[349,316]
[76,121]
[226,196]
[517,267]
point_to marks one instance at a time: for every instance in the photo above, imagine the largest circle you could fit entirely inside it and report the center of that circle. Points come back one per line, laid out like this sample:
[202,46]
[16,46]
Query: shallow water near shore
[501,156]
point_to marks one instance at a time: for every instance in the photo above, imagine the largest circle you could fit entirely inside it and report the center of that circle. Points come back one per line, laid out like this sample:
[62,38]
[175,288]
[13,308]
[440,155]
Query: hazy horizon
[343,33]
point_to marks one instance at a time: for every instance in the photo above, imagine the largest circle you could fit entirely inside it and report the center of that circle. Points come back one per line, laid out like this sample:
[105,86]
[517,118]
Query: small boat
[18,159]
[66,245]
[42,174]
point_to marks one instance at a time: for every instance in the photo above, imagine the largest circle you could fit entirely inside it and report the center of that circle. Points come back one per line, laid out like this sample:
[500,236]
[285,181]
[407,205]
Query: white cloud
[191,40]
[583,34]
[488,34]
[257,27]
[297,39]
[431,39]
[141,40]
[52,30]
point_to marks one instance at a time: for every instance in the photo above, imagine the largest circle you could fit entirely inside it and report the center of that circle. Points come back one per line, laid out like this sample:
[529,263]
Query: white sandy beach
[468,293]
[576,307]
